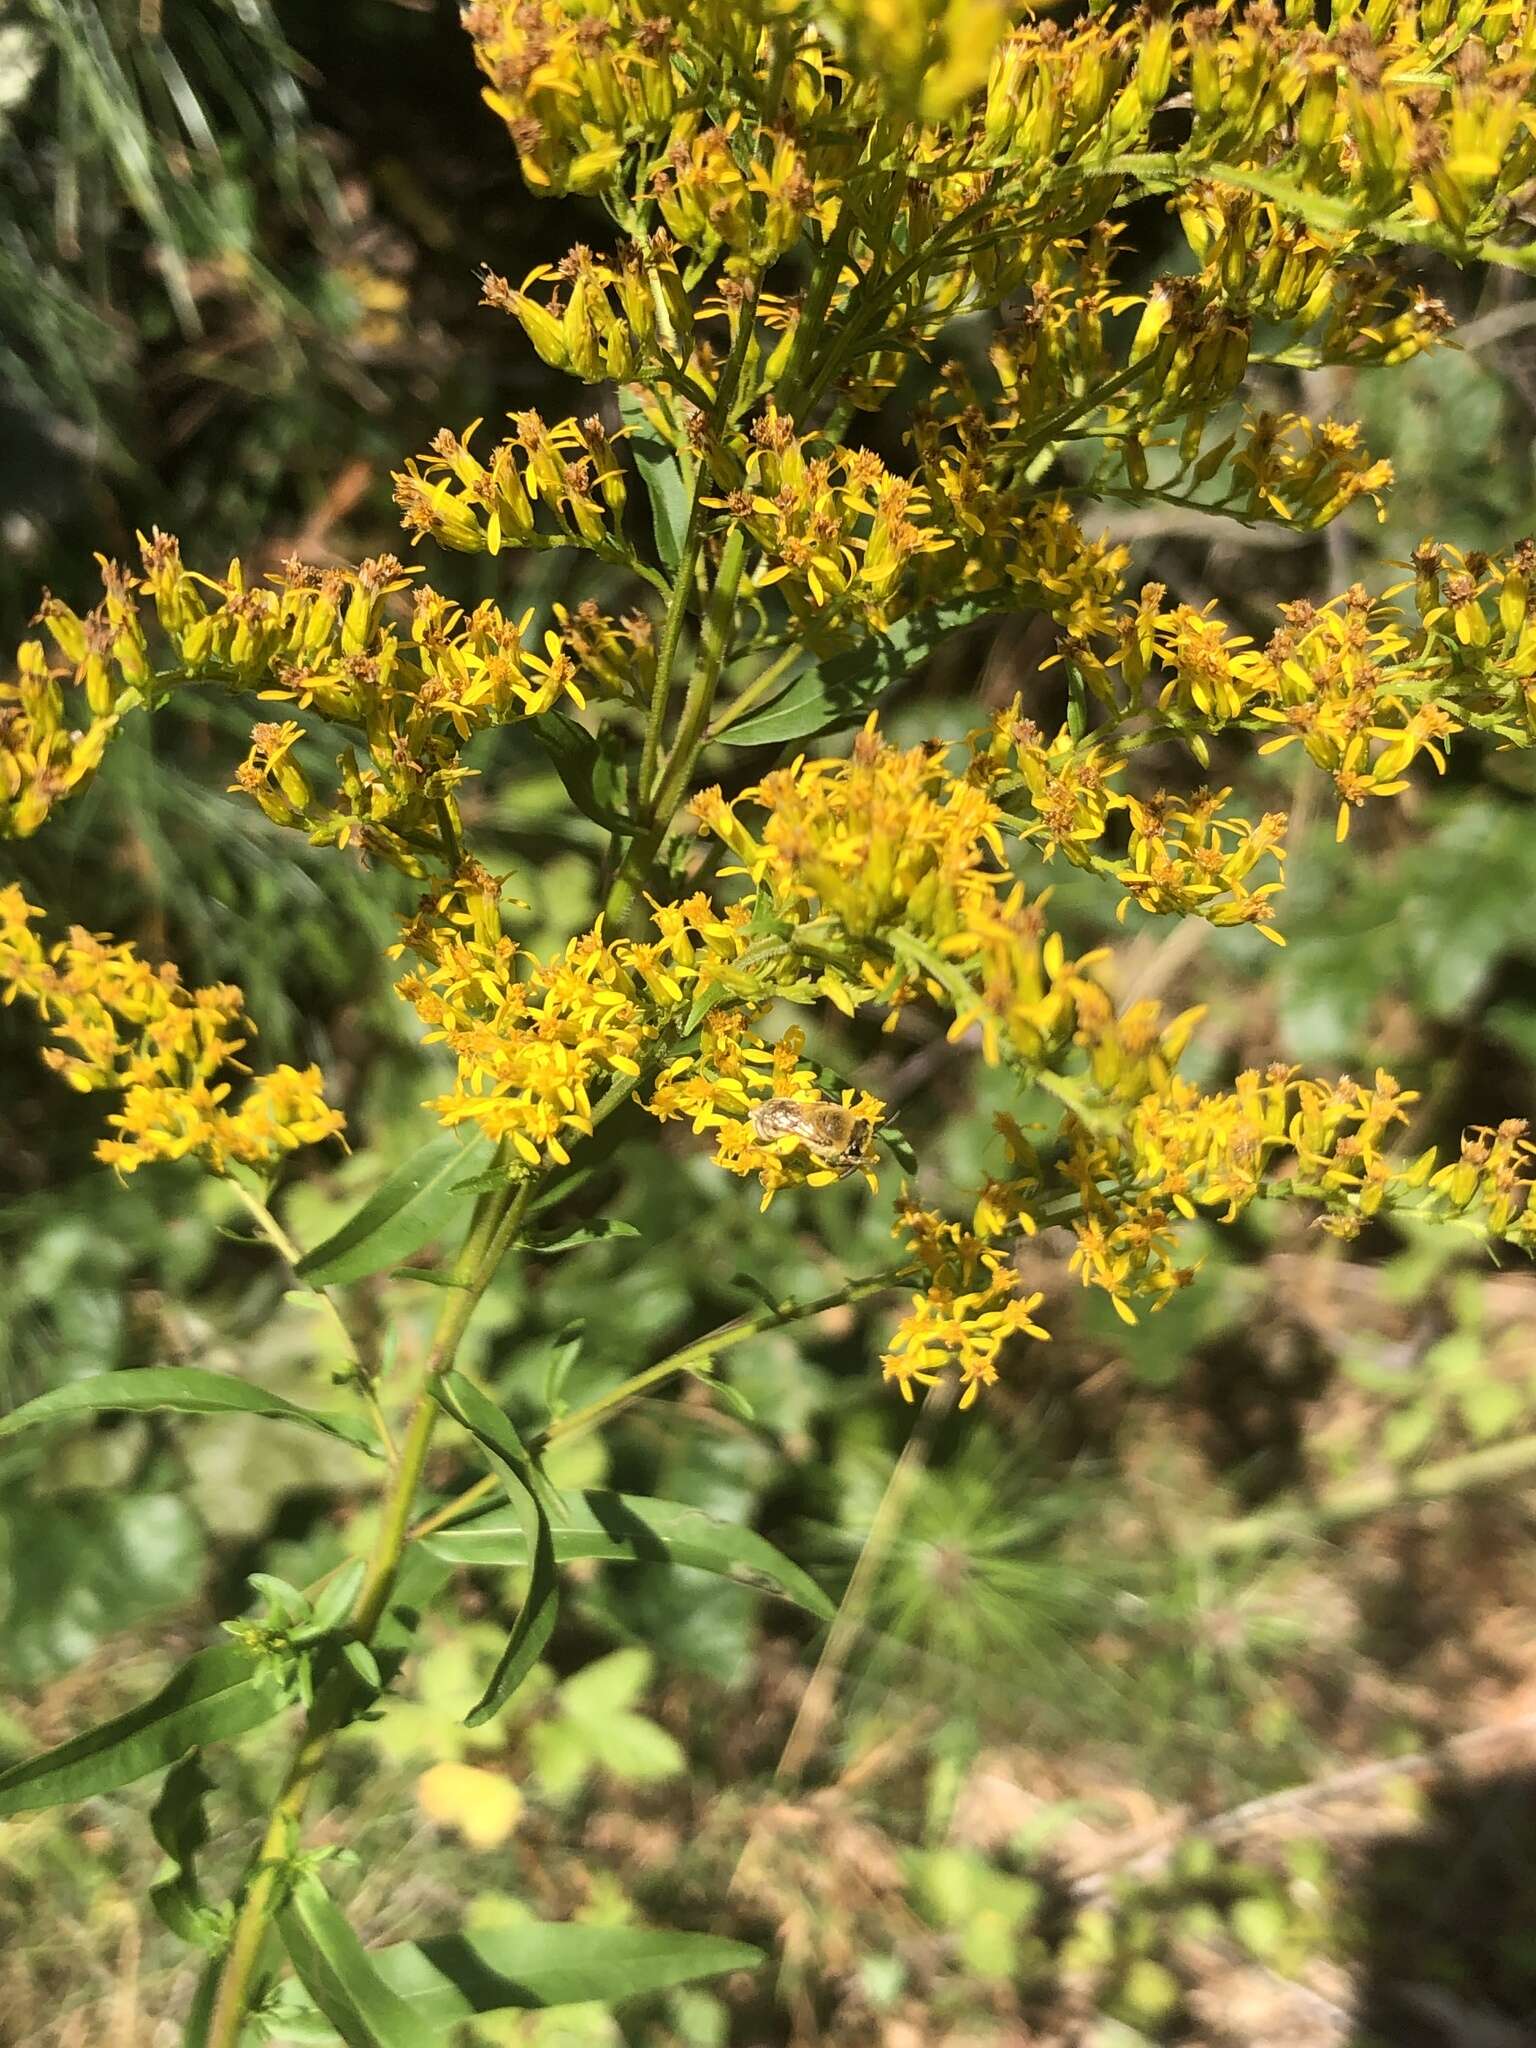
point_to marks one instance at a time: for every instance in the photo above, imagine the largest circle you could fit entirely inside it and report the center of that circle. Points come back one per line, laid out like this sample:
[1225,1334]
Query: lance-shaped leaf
[662,476]
[185,1389]
[180,1826]
[628,1528]
[339,1974]
[217,1694]
[849,685]
[525,1489]
[416,1204]
[450,1977]
[601,1230]
[577,760]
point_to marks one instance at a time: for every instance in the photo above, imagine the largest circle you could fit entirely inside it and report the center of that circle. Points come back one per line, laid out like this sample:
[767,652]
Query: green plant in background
[811,202]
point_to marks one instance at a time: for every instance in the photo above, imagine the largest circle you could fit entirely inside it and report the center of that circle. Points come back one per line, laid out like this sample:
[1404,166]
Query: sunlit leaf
[510,1460]
[182,1389]
[416,1204]
[340,1975]
[630,1529]
[217,1694]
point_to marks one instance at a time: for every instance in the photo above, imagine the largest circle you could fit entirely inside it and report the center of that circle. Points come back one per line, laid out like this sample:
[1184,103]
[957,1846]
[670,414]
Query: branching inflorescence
[803,202]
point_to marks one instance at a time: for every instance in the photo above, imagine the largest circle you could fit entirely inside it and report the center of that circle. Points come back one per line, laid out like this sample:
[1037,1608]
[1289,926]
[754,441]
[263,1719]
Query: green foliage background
[236,264]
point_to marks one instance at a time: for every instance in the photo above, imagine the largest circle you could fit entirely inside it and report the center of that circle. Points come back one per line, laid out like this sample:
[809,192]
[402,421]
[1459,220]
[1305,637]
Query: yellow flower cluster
[972,1304]
[579,89]
[1253,256]
[735,1072]
[533,1039]
[414,688]
[1305,472]
[1363,690]
[46,753]
[837,531]
[539,1043]
[568,472]
[1183,856]
[1139,1151]
[603,319]
[129,1029]
[890,870]
[1276,1133]
[887,838]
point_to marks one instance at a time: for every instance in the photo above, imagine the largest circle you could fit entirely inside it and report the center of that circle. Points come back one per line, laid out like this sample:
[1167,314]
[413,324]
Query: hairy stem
[688,556]
[494,1227]
[714,646]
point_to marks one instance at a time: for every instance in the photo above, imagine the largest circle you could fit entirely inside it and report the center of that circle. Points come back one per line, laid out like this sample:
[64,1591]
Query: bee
[826,1130]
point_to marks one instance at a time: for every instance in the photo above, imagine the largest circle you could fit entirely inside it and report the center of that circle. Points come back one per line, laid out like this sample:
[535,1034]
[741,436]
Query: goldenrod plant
[805,203]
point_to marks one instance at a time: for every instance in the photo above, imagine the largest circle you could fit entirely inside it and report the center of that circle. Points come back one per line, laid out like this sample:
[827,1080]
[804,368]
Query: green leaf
[899,1145]
[492,1182]
[187,1389]
[504,1448]
[564,1351]
[340,1975]
[661,473]
[180,1826]
[576,757]
[194,2028]
[414,1205]
[564,1240]
[732,1399]
[628,1528]
[525,1969]
[915,954]
[846,687]
[217,1694]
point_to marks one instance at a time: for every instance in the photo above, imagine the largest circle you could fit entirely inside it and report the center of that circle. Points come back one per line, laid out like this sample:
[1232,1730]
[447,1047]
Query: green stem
[448,833]
[704,1350]
[364,1369]
[672,632]
[688,1359]
[688,556]
[714,645]
[808,329]
[756,691]
[492,1232]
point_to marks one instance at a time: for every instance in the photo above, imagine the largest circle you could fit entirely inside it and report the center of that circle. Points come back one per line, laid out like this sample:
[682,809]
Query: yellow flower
[963,1319]
[127,1028]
